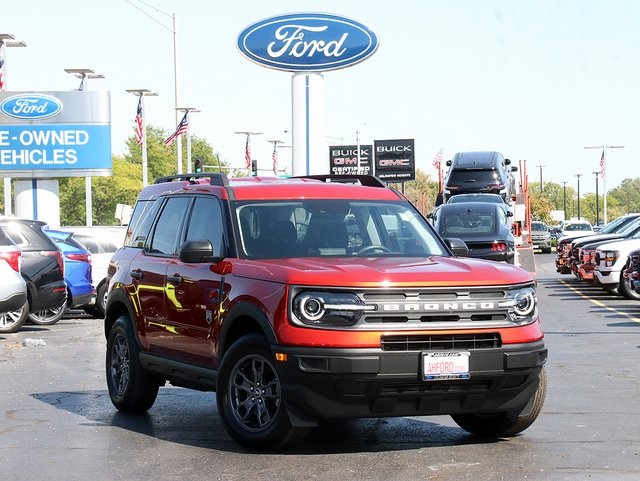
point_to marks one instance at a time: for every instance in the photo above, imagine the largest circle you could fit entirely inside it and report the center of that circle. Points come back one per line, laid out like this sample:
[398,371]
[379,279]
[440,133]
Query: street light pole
[541,166]
[564,195]
[597,201]
[602,172]
[142,93]
[578,176]
[174,32]
[7,40]
[188,110]
[84,74]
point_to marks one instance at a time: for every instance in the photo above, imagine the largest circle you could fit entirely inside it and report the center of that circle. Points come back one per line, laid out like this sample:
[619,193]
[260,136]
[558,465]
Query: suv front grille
[440,342]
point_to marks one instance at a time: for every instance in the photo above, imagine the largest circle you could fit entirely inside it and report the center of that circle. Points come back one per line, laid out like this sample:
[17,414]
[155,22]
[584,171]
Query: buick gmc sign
[31,107]
[395,160]
[305,42]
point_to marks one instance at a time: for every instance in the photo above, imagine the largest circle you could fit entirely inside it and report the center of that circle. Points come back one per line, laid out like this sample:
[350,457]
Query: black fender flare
[235,315]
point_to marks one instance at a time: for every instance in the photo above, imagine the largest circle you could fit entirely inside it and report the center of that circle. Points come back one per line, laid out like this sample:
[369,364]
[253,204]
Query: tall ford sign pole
[307,44]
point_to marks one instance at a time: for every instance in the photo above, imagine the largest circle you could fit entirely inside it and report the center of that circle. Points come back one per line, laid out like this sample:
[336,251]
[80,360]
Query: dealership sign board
[307,42]
[343,160]
[395,160]
[55,134]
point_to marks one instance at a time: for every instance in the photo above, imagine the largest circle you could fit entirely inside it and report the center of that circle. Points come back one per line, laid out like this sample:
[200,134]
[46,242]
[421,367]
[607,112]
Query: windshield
[577,227]
[539,226]
[320,228]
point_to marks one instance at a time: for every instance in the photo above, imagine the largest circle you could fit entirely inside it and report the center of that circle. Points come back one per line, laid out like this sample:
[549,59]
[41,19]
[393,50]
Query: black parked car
[484,227]
[42,269]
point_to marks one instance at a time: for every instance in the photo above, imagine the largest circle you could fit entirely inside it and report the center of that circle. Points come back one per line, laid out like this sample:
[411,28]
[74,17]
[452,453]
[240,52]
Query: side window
[206,223]
[168,228]
[140,224]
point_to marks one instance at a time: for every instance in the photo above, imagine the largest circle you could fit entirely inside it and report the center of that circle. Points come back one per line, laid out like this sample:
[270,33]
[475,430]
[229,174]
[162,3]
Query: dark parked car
[13,290]
[42,269]
[480,172]
[484,227]
[77,269]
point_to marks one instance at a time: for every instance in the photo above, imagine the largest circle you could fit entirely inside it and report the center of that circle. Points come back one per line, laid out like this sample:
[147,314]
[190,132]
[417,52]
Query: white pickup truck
[610,261]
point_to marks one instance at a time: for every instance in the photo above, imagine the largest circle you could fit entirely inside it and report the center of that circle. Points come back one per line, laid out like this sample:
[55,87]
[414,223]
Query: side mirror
[457,246]
[507,161]
[197,251]
[514,169]
[509,213]
[448,163]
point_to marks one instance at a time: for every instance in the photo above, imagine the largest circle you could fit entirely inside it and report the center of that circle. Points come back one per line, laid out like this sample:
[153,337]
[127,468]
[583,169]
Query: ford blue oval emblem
[307,42]
[31,106]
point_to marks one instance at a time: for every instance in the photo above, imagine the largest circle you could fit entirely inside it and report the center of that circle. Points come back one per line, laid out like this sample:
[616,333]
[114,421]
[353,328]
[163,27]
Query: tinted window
[168,228]
[206,223]
[29,237]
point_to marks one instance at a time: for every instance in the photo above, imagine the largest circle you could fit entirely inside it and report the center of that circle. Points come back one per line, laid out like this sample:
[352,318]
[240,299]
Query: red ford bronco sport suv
[303,299]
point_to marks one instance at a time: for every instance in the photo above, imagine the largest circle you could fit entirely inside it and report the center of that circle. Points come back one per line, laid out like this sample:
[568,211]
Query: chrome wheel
[48,317]
[12,321]
[254,393]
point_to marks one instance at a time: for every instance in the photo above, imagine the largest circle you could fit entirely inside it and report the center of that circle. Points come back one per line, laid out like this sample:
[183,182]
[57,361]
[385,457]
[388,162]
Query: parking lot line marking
[600,304]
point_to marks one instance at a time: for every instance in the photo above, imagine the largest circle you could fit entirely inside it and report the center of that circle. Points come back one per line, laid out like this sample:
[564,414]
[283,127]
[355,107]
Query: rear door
[149,275]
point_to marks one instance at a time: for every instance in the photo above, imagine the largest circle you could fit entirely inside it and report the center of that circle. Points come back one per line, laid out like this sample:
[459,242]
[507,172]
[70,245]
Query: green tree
[161,159]
[421,192]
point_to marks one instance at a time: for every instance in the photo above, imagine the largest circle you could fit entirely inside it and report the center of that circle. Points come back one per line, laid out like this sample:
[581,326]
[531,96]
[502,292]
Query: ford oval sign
[307,42]
[31,106]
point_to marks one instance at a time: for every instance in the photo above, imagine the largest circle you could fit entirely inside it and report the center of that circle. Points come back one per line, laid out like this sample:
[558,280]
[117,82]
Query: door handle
[175,279]
[136,274]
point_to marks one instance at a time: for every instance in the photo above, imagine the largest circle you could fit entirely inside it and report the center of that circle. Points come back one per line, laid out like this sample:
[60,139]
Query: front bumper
[607,277]
[321,383]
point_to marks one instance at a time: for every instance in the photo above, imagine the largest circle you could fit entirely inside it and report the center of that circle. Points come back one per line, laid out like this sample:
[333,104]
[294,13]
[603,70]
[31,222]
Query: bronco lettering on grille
[442,306]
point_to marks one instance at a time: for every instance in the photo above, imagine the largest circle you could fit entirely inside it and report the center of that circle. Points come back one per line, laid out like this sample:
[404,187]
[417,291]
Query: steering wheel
[372,248]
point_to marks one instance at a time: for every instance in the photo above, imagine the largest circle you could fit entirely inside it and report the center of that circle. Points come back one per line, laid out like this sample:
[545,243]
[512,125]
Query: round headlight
[311,308]
[525,303]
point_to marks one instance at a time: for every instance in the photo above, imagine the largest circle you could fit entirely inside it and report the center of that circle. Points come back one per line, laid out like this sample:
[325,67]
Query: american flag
[602,164]
[180,129]
[437,161]
[2,66]
[274,157]
[139,122]
[247,154]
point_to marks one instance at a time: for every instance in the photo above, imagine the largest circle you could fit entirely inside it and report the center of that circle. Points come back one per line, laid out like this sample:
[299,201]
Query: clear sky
[534,79]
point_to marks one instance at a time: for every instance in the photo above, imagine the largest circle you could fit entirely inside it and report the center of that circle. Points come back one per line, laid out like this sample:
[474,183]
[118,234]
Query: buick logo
[31,107]
[307,42]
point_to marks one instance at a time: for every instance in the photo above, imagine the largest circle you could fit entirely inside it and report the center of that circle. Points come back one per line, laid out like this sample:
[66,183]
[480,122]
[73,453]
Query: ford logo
[31,106]
[307,42]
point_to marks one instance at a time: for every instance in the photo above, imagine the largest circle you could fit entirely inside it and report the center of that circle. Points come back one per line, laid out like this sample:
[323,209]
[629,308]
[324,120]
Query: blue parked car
[77,269]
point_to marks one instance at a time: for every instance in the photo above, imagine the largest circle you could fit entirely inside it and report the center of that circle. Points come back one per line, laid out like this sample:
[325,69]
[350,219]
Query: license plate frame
[445,365]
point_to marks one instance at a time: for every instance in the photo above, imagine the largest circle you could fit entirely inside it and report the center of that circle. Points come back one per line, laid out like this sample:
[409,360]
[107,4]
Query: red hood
[383,272]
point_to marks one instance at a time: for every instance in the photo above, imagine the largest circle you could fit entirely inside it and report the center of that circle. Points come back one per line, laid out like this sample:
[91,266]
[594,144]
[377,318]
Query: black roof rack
[215,178]
[365,180]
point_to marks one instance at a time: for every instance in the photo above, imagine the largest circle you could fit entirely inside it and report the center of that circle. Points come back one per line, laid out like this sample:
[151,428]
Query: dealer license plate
[437,366]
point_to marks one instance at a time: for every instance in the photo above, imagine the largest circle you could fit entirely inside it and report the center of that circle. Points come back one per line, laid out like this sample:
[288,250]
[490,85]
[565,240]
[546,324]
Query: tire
[250,398]
[131,388]
[506,424]
[625,288]
[48,317]
[98,309]
[12,321]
